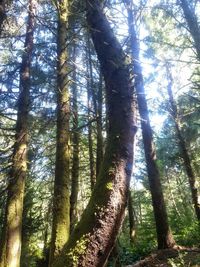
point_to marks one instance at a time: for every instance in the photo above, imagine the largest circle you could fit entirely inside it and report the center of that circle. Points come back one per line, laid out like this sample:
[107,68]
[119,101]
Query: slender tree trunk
[90,146]
[115,256]
[164,235]
[183,149]
[10,249]
[61,201]
[99,157]
[132,223]
[75,143]
[96,233]
[171,195]
[193,25]
[91,103]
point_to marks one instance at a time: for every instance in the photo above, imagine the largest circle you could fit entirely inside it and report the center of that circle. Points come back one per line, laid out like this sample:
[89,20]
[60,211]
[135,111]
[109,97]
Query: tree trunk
[91,105]
[99,158]
[132,223]
[75,143]
[61,201]
[192,23]
[95,234]
[164,235]
[10,248]
[183,149]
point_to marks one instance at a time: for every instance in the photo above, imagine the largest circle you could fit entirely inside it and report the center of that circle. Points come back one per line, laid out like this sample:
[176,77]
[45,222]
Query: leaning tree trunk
[61,201]
[164,235]
[183,149]
[193,24]
[95,234]
[10,248]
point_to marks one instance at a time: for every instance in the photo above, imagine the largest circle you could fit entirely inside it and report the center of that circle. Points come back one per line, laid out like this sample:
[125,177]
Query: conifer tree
[10,248]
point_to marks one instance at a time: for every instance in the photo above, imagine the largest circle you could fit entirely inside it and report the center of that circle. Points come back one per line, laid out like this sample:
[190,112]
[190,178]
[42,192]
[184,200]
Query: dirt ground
[177,257]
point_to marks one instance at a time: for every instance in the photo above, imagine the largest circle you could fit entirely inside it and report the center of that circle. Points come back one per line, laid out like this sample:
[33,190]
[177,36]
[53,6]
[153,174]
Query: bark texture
[61,201]
[164,235]
[95,235]
[183,149]
[193,25]
[10,248]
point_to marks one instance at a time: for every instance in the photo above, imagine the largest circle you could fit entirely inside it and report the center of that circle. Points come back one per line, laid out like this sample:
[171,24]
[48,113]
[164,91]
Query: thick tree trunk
[61,201]
[10,249]
[95,234]
[183,149]
[164,235]
[75,143]
[193,25]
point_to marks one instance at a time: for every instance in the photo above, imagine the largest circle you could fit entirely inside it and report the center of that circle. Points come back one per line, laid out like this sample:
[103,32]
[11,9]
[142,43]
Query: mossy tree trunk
[183,148]
[10,249]
[75,144]
[61,201]
[164,235]
[192,23]
[95,235]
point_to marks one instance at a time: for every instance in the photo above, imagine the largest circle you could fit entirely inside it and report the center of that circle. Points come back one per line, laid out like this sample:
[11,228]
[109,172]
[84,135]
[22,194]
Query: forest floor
[177,257]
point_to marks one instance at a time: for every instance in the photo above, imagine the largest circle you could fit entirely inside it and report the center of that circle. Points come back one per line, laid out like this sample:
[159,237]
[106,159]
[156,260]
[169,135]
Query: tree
[75,144]
[10,249]
[91,104]
[61,202]
[192,23]
[95,234]
[164,235]
[182,146]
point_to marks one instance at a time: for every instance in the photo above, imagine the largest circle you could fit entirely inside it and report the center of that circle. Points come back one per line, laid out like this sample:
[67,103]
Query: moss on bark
[95,234]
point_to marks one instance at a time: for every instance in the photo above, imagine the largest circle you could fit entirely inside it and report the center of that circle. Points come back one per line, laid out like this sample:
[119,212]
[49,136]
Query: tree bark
[192,23]
[95,234]
[10,249]
[61,201]
[183,148]
[164,235]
